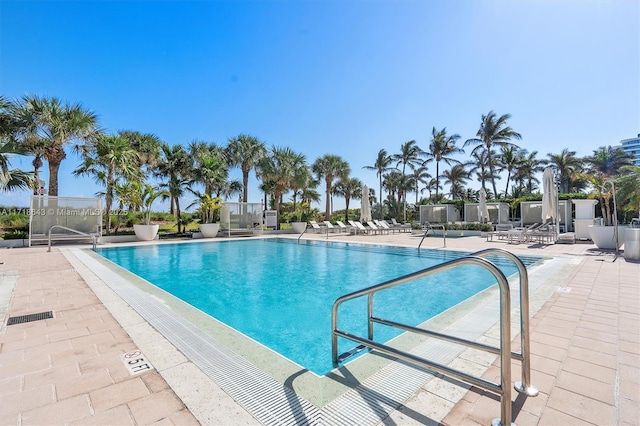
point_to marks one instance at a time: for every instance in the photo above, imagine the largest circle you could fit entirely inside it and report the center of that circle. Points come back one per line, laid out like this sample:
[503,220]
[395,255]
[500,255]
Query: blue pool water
[280,292]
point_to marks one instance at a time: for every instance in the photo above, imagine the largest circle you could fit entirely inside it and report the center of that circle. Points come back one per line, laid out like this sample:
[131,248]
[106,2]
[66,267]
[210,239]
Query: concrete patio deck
[585,344]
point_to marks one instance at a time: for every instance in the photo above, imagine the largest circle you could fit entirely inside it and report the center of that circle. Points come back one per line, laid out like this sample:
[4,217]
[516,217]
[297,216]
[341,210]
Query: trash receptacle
[632,244]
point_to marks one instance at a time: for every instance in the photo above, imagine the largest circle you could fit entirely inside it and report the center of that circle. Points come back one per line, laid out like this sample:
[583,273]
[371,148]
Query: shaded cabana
[439,213]
[531,212]
[498,212]
[241,219]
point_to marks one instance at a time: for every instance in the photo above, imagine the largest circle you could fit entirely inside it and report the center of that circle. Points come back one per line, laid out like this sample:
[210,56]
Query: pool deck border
[588,351]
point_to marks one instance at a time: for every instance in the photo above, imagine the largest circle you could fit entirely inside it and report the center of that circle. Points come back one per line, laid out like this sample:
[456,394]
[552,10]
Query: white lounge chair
[342,227]
[361,228]
[330,227]
[376,229]
[404,227]
[384,225]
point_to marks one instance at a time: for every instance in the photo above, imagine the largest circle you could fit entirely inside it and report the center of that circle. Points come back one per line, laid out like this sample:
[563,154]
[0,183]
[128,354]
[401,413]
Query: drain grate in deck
[29,318]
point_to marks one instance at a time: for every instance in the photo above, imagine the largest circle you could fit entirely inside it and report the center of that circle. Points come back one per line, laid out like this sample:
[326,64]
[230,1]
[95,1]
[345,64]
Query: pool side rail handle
[503,389]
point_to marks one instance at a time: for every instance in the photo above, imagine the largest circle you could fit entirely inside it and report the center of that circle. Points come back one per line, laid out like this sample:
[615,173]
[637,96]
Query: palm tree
[419,175]
[175,164]
[245,151]
[510,160]
[381,165]
[431,187]
[108,158]
[410,153]
[479,165]
[608,160]
[302,179]
[441,147]
[529,167]
[57,123]
[329,167]
[147,145]
[493,132]
[628,184]
[12,179]
[277,170]
[567,165]
[456,177]
[349,188]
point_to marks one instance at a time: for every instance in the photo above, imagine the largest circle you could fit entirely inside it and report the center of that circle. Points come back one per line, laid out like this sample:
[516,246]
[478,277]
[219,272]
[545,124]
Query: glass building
[632,146]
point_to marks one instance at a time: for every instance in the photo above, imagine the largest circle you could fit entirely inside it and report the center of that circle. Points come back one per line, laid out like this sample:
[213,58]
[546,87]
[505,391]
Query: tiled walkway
[585,343]
[68,370]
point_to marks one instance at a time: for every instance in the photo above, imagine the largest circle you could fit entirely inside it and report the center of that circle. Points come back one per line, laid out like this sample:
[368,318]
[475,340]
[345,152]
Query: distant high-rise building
[632,146]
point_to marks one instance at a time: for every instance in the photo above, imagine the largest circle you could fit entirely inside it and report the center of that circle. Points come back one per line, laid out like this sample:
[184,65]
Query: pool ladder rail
[503,389]
[429,227]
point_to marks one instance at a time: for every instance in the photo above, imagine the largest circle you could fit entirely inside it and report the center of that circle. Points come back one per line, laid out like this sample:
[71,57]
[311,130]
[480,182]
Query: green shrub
[15,235]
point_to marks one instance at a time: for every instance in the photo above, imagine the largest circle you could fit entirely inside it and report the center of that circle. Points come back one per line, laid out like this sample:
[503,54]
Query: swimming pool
[280,293]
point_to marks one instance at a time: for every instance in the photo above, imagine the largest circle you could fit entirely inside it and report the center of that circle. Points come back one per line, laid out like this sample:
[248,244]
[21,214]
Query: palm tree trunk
[328,201]
[54,166]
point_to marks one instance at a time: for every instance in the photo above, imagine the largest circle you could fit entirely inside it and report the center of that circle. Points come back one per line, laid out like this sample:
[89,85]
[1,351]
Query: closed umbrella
[483,210]
[365,209]
[549,196]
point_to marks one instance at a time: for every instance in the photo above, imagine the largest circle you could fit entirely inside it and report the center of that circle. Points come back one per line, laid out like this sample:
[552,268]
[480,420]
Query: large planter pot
[603,236]
[209,230]
[299,227]
[146,232]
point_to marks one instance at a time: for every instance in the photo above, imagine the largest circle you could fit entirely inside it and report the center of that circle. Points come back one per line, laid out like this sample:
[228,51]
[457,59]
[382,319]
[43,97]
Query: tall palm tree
[410,153]
[349,188]
[147,145]
[419,175]
[430,187]
[441,147]
[493,132]
[245,151]
[301,180]
[108,158]
[568,166]
[277,170]
[58,124]
[608,160]
[456,177]
[510,160]
[175,164]
[381,165]
[479,166]
[330,167]
[529,167]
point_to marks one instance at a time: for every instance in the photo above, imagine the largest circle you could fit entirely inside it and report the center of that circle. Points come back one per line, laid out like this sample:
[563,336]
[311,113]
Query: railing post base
[526,390]
[498,422]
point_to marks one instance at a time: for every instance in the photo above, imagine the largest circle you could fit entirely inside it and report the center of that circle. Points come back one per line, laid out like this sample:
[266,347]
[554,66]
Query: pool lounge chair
[522,235]
[344,228]
[376,229]
[382,224]
[361,228]
[404,227]
[315,227]
[330,227]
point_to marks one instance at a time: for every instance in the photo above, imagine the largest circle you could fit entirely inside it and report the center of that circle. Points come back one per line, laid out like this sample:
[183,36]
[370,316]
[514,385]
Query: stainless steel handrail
[525,354]
[503,389]
[430,227]
[303,232]
[93,237]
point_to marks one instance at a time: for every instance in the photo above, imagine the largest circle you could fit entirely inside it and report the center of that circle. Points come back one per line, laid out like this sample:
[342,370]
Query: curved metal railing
[504,351]
[428,227]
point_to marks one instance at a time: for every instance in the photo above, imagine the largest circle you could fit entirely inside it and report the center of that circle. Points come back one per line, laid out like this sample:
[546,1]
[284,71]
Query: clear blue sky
[330,77]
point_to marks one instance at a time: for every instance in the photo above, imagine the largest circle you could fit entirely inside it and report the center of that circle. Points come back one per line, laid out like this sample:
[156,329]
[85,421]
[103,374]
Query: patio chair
[315,226]
[361,228]
[522,235]
[330,227]
[404,227]
[376,229]
[344,228]
[384,225]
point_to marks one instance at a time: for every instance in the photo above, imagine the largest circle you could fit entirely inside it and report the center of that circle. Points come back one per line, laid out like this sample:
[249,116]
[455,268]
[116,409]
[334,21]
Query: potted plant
[208,211]
[608,235]
[143,195]
[300,226]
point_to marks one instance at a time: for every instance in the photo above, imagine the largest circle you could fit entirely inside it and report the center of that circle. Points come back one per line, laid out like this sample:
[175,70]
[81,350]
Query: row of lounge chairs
[538,232]
[373,227]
